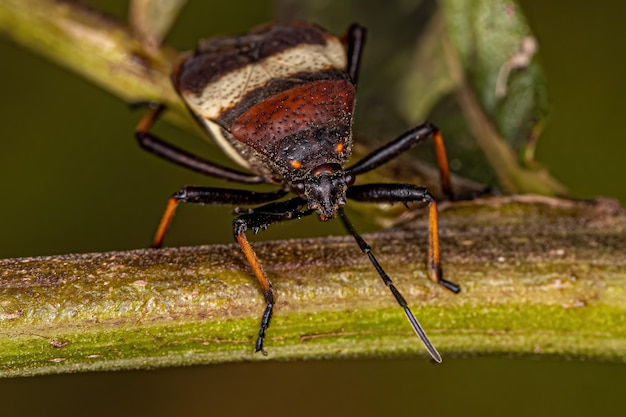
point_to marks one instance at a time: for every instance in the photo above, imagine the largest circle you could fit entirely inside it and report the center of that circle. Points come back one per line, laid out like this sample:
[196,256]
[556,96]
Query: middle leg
[261,218]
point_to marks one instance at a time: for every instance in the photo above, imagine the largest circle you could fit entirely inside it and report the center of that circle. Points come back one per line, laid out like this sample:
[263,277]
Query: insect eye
[298,186]
[350,178]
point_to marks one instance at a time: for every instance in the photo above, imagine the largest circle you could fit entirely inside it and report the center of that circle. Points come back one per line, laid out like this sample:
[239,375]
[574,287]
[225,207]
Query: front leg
[208,195]
[261,218]
[408,193]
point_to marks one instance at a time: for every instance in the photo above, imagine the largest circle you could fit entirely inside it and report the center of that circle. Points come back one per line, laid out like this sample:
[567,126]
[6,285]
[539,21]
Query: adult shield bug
[279,101]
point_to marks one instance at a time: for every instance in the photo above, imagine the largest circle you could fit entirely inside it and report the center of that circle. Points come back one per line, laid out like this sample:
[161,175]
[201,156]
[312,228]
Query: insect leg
[408,193]
[355,39]
[206,195]
[261,218]
[402,144]
[365,248]
[157,146]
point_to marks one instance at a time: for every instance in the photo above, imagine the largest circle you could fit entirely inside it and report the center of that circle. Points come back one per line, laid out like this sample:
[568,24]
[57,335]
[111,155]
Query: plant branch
[95,45]
[539,276]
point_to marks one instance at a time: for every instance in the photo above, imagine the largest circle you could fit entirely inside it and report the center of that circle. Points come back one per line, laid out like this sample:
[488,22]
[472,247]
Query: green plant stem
[539,276]
[96,46]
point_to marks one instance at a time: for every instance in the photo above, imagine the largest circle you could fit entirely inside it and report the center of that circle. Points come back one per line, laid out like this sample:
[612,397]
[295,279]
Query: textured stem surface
[539,276]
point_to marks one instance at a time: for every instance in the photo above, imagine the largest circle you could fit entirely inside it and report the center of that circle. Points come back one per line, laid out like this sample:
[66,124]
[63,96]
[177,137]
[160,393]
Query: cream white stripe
[218,135]
[229,89]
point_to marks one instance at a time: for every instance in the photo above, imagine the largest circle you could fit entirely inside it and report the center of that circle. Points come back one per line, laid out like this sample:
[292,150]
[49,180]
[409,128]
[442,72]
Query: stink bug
[279,101]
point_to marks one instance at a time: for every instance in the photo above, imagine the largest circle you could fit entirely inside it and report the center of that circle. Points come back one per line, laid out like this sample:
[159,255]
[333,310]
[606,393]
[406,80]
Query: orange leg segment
[145,124]
[259,273]
[170,209]
[442,162]
[434,262]
[435,272]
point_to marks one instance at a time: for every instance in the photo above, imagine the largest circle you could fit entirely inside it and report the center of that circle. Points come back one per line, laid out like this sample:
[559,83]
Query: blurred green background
[74,180]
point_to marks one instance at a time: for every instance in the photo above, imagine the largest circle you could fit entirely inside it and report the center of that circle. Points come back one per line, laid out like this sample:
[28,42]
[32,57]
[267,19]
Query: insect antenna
[365,248]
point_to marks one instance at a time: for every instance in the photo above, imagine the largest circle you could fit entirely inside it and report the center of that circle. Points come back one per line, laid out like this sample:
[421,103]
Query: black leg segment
[269,214]
[225,196]
[355,38]
[157,146]
[389,193]
[402,144]
[365,248]
[208,195]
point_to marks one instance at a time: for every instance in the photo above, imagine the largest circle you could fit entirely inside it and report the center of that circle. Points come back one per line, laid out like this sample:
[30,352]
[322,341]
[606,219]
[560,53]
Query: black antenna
[409,315]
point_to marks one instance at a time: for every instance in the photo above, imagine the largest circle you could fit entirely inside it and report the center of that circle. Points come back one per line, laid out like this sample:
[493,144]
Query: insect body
[279,101]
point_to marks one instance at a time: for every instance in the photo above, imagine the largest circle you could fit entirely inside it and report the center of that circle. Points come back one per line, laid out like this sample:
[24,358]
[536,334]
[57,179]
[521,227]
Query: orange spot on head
[339,147]
[296,164]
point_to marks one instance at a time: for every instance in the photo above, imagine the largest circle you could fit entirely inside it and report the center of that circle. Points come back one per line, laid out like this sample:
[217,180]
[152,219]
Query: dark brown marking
[216,57]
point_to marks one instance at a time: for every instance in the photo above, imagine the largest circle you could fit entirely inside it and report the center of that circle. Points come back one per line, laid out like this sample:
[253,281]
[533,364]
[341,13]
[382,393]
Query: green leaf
[498,54]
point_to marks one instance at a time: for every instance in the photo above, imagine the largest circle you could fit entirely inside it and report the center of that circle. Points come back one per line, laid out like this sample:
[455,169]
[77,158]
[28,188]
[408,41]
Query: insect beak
[326,191]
